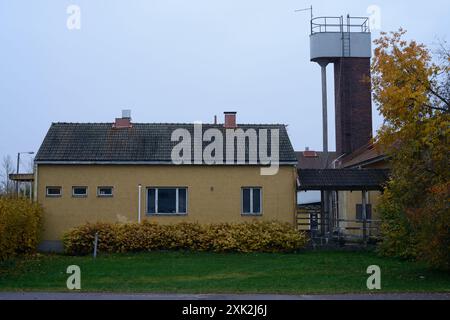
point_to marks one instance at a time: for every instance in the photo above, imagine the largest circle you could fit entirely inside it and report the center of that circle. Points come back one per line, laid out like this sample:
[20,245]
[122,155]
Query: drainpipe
[336,160]
[35,191]
[139,203]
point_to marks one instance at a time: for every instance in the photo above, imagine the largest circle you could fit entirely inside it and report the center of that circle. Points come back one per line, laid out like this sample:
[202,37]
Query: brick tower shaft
[353,103]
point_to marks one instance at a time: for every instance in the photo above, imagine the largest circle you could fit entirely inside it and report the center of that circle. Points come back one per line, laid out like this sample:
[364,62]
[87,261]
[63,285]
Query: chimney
[124,122]
[309,154]
[215,119]
[230,120]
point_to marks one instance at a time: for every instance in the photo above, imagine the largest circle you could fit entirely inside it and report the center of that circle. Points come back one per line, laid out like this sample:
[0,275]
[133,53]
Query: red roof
[367,154]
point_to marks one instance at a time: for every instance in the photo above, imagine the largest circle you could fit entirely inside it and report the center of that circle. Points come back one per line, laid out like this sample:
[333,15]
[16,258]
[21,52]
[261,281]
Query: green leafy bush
[420,233]
[20,226]
[224,237]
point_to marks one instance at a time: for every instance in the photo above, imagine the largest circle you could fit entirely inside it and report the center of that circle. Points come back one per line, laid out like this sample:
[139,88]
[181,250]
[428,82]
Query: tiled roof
[342,179]
[320,161]
[143,142]
[363,156]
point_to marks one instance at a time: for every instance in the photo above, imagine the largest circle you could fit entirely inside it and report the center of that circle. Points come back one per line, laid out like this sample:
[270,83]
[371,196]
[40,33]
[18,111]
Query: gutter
[168,163]
[367,162]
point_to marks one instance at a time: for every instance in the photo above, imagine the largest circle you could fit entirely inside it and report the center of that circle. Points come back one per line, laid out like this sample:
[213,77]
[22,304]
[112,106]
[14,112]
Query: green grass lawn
[177,272]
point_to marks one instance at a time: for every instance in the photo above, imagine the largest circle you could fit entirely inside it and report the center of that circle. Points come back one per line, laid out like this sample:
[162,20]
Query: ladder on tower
[346,47]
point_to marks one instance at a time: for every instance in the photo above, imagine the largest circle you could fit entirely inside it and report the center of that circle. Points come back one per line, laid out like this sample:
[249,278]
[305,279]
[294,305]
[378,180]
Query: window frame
[80,195]
[177,203]
[105,195]
[252,214]
[53,195]
[359,215]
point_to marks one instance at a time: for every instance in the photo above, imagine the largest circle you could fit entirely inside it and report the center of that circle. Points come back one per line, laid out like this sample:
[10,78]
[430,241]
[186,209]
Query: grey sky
[175,61]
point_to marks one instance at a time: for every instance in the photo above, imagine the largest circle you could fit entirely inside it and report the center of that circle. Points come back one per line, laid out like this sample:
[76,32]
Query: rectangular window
[151,201]
[167,200]
[359,215]
[251,201]
[105,191]
[54,191]
[79,192]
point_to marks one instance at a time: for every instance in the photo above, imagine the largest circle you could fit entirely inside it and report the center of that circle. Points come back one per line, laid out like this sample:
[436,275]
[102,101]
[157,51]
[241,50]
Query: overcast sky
[176,61]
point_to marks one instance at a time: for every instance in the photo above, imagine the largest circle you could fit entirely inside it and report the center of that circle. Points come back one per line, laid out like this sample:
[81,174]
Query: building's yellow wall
[347,208]
[214,194]
[348,201]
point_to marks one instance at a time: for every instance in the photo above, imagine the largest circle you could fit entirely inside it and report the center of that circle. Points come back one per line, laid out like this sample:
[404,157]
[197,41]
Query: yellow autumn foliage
[20,226]
[223,237]
[412,90]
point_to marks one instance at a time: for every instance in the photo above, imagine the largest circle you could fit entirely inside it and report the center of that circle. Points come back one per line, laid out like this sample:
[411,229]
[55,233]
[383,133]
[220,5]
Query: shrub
[224,237]
[20,226]
[418,233]
[398,236]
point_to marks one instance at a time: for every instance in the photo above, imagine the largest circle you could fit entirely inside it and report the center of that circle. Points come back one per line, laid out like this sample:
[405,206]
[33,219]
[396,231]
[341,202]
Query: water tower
[345,42]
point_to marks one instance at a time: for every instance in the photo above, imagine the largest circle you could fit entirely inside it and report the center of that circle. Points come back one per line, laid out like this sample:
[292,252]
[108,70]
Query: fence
[309,219]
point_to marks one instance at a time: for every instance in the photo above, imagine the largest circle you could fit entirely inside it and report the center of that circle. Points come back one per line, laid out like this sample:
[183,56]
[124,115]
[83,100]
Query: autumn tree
[6,185]
[412,91]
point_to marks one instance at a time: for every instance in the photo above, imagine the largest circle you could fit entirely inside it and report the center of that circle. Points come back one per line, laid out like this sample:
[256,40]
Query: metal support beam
[326,195]
[17,172]
[323,66]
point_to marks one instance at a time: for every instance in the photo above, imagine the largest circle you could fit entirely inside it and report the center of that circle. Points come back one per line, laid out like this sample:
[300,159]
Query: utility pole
[18,169]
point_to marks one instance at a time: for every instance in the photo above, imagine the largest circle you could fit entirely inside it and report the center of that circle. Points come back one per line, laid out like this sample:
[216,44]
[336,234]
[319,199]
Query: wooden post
[336,212]
[364,215]
[95,245]
[322,214]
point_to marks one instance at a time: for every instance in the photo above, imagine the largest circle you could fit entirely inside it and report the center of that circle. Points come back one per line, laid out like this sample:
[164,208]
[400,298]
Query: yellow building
[367,157]
[129,172]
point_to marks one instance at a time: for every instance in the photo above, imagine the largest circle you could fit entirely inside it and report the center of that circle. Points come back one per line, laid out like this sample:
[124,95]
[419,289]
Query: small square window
[105,191]
[251,201]
[79,192]
[54,191]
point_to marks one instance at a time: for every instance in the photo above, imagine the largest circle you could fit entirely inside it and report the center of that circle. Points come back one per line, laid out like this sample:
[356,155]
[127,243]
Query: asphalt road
[248,297]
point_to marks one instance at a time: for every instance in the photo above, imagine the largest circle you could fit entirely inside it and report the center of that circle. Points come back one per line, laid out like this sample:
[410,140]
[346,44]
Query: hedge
[20,226]
[223,237]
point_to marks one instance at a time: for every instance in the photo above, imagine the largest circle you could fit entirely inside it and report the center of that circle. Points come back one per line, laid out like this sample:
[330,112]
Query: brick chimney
[124,122]
[230,120]
[309,153]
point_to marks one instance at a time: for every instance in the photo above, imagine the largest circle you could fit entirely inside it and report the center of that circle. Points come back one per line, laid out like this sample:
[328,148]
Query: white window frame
[177,213]
[105,195]
[79,195]
[53,195]
[251,213]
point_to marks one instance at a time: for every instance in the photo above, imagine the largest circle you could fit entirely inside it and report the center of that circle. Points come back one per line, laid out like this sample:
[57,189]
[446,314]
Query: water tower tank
[336,37]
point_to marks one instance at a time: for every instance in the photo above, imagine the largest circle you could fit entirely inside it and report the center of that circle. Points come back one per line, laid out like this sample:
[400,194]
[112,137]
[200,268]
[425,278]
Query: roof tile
[143,142]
